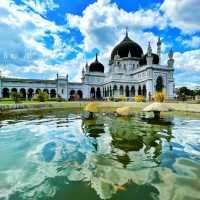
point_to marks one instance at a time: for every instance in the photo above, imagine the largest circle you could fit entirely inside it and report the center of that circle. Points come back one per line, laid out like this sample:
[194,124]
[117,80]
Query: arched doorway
[121,89]
[46,90]
[98,93]
[80,94]
[37,91]
[139,90]
[23,93]
[114,90]
[127,91]
[159,84]
[92,93]
[132,91]
[108,91]
[53,93]
[72,95]
[30,93]
[5,93]
[111,92]
[144,91]
[14,90]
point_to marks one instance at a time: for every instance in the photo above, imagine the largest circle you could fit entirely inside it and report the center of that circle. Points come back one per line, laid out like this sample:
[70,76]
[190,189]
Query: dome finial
[96,57]
[127,31]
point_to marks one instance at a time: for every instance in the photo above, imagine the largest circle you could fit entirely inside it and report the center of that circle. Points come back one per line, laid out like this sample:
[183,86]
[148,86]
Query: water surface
[64,156]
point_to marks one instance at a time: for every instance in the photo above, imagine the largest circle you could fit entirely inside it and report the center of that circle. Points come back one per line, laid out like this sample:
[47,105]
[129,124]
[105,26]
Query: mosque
[131,72]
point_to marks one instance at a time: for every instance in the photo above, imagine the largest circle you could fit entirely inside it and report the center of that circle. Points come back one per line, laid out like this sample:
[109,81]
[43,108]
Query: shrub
[41,97]
[159,97]
[139,98]
[60,99]
[16,96]
[111,98]
[122,98]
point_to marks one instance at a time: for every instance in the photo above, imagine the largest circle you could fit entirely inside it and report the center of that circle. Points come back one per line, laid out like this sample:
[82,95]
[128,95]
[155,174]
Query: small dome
[143,61]
[126,48]
[96,66]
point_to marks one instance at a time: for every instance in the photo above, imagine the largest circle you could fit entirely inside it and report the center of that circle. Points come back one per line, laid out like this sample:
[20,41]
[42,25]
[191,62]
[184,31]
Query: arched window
[14,90]
[108,91]
[72,94]
[92,93]
[37,91]
[121,89]
[139,90]
[132,91]
[111,91]
[5,93]
[144,91]
[46,90]
[98,93]
[30,93]
[53,93]
[127,91]
[80,94]
[114,90]
[159,84]
[23,93]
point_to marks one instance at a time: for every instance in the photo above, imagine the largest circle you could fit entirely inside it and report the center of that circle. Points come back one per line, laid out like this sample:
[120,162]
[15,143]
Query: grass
[2,101]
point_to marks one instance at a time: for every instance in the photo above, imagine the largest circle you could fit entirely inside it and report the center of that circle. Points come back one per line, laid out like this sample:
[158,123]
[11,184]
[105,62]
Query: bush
[159,97]
[121,98]
[111,98]
[41,97]
[16,96]
[139,98]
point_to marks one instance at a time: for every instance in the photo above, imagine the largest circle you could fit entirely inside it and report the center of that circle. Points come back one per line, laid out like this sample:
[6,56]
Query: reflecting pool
[64,156]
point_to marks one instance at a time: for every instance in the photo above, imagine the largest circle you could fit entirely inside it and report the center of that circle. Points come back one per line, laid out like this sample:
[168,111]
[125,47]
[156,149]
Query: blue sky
[39,38]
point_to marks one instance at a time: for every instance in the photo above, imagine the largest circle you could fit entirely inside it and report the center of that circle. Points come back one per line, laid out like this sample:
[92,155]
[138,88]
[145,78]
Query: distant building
[131,73]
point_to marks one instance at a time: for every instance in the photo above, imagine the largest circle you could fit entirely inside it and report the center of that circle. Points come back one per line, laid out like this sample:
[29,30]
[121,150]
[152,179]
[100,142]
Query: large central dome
[126,46]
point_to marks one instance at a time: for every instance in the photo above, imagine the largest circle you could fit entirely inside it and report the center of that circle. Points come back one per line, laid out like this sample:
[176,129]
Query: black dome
[143,61]
[96,66]
[126,45]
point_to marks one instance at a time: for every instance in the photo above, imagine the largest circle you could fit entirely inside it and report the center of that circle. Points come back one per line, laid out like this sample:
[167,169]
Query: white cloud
[188,60]
[71,67]
[41,6]
[21,31]
[193,43]
[102,23]
[183,14]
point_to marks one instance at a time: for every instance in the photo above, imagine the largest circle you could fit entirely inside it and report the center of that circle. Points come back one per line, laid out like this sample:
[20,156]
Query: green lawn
[6,101]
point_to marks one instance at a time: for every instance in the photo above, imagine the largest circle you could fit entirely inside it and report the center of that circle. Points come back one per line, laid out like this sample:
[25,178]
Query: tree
[42,97]
[16,96]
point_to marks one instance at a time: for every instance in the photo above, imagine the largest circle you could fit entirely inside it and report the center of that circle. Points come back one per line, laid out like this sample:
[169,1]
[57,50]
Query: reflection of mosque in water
[131,140]
[132,145]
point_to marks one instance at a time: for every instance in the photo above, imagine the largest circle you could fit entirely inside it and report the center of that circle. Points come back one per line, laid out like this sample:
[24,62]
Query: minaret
[86,67]
[159,43]
[170,61]
[149,55]
[83,74]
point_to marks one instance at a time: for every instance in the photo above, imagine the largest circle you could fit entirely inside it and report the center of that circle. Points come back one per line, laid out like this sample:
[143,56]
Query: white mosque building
[131,72]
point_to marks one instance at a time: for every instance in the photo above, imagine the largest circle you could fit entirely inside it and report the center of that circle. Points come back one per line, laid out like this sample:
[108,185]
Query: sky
[40,38]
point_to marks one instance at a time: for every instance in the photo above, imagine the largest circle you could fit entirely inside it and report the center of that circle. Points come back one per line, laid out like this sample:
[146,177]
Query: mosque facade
[131,73]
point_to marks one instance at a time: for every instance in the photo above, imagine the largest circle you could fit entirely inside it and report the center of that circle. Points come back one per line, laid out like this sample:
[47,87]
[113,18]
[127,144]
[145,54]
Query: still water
[63,156]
